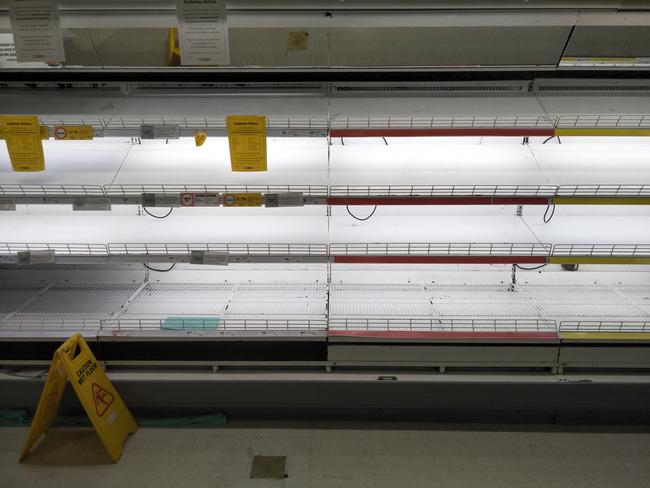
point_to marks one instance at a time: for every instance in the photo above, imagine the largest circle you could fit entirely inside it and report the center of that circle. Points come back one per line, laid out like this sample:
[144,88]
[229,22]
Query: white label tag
[206,199]
[37,31]
[159,132]
[288,199]
[166,200]
[215,258]
[203,32]
[209,257]
[160,200]
[35,257]
[7,205]
[91,204]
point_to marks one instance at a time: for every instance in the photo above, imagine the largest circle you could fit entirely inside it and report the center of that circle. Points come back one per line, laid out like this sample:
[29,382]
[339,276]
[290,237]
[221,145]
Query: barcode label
[159,132]
[7,205]
[35,257]
[91,204]
[288,199]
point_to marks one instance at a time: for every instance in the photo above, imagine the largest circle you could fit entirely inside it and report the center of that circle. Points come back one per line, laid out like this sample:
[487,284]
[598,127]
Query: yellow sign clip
[200,137]
[109,415]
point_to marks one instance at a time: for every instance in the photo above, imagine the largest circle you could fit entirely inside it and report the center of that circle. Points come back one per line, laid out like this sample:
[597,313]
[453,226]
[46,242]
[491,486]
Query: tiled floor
[332,456]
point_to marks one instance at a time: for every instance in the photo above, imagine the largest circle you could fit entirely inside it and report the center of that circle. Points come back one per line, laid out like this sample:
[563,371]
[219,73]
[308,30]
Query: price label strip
[73,133]
[242,199]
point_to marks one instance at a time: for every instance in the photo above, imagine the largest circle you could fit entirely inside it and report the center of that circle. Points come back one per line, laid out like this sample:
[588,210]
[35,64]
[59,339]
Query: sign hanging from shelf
[73,133]
[242,199]
[37,31]
[22,134]
[203,32]
[75,362]
[192,199]
[247,141]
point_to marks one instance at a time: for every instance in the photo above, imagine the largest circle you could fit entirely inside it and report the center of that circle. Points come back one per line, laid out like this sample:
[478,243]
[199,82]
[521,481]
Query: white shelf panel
[483,302]
[298,161]
[489,161]
[356,306]
[43,223]
[75,301]
[16,295]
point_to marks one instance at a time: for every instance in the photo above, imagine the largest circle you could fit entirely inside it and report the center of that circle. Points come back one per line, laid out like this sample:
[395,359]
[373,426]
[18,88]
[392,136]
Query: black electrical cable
[159,270]
[342,143]
[385,141]
[559,141]
[158,216]
[547,218]
[530,269]
[358,218]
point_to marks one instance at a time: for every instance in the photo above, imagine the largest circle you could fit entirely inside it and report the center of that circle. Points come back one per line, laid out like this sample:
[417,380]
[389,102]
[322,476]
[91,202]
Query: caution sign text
[75,362]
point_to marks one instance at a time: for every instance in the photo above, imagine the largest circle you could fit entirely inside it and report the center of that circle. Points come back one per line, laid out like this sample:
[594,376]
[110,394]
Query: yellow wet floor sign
[109,415]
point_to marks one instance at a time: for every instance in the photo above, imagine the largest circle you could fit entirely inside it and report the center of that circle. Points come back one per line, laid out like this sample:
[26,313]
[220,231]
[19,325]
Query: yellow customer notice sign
[74,361]
[22,135]
[247,141]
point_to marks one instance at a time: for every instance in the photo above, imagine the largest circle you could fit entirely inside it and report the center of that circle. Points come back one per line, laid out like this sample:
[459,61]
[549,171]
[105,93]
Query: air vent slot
[632,87]
[58,87]
[423,89]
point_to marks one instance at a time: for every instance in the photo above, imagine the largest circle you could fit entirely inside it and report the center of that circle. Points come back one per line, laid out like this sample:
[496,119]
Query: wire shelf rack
[65,249]
[235,249]
[442,325]
[605,326]
[51,190]
[440,249]
[51,325]
[137,190]
[211,324]
[613,250]
[217,122]
[626,121]
[604,190]
[443,190]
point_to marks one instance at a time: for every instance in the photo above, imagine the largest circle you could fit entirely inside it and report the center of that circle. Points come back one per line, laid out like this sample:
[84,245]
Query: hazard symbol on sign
[187,199]
[60,132]
[103,399]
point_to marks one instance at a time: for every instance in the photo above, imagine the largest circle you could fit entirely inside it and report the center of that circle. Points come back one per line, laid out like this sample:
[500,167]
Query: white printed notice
[203,32]
[37,31]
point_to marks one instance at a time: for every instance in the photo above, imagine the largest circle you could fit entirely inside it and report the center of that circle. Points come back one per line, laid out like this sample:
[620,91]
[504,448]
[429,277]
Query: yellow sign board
[242,199]
[45,132]
[247,141]
[22,135]
[73,133]
[108,414]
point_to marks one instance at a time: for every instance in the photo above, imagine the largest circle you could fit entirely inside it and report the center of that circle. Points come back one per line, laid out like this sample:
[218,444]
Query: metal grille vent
[431,88]
[59,87]
[593,88]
